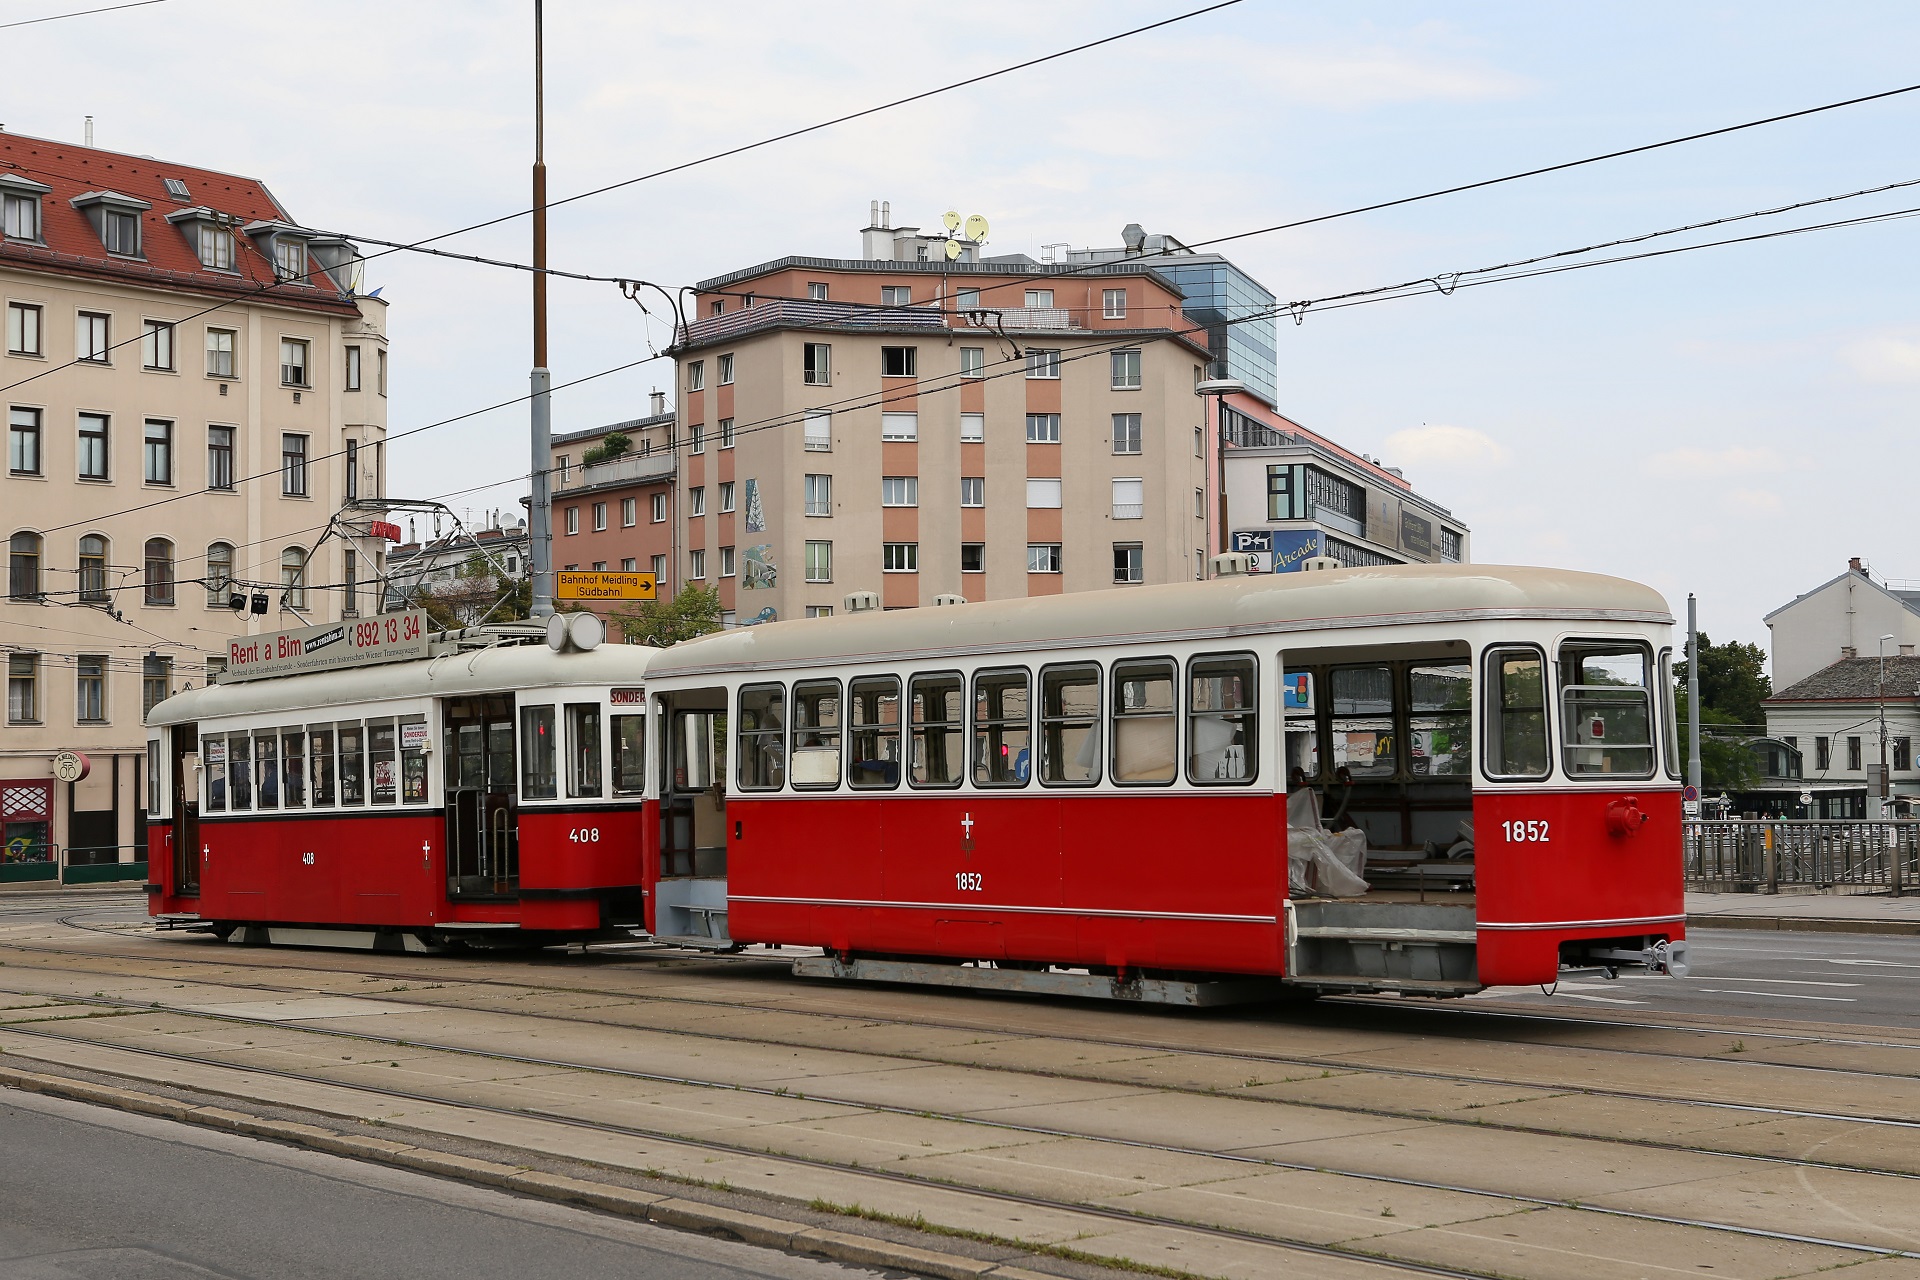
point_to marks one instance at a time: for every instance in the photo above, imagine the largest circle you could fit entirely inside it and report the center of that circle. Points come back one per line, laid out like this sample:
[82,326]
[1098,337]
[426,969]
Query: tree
[1733,681]
[694,612]
[615,444]
[475,595]
[1727,762]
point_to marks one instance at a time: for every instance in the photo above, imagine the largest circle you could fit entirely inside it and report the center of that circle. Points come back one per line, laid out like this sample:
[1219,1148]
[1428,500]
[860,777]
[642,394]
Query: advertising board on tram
[355,642]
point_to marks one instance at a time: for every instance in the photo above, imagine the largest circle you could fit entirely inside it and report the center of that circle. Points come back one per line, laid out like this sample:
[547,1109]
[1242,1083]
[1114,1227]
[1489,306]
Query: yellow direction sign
[603,585]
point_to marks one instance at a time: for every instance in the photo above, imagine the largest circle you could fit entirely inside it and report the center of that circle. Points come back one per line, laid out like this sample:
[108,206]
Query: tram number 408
[584,835]
[1529,832]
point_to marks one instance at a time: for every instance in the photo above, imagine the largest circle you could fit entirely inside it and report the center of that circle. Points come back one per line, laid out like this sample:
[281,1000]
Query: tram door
[185,748]
[690,896]
[483,838]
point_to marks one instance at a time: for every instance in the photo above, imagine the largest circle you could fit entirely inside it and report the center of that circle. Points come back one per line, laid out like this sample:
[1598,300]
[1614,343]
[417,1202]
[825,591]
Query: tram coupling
[1608,956]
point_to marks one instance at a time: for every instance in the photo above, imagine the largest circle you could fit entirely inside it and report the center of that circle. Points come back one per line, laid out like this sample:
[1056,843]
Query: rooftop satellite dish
[953,249]
[976,228]
[952,219]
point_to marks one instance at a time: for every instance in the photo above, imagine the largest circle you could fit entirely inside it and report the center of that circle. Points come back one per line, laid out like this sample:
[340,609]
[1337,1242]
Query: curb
[661,1210]
[1807,924]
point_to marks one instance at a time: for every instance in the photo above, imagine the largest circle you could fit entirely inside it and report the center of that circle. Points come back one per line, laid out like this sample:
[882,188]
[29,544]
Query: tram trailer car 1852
[1097,784]
[493,792]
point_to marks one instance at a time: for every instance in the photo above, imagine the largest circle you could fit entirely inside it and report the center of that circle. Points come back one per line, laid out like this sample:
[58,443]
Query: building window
[219,353]
[21,216]
[289,260]
[819,562]
[1126,433]
[726,495]
[696,564]
[1903,754]
[156,345]
[1113,304]
[819,431]
[1449,545]
[973,557]
[158,581]
[573,520]
[697,501]
[899,491]
[629,512]
[350,584]
[1199,442]
[696,375]
[726,433]
[1823,754]
[726,370]
[380,371]
[1042,363]
[1126,370]
[816,291]
[896,295]
[1043,557]
[657,508]
[1040,297]
[219,574]
[717,306]
[93,446]
[966,299]
[1043,428]
[23,566]
[1129,562]
[158,451]
[353,368]
[697,438]
[1129,499]
[629,565]
[819,611]
[1853,755]
[214,247]
[352,470]
[900,557]
[600,516]
[293,577]
[658,564]
[91,333]
[293,362]
[23,329]
[23,688]
[726,562]
[819,494]
[973,491]
[1328,492]
[899,362]
[90,688]
[23,442]
[93,569]
[1199,564]
[1043,494]
[219,457]
[973,428]
[1199,504]
[122,233]
[293,465]
[899,426]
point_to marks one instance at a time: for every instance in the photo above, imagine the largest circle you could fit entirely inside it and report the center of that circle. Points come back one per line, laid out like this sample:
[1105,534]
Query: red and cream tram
[490,791]
[1090,792]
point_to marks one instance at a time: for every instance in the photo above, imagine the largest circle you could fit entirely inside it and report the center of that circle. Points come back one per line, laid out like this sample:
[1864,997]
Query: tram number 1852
[1528,832]
[968,881]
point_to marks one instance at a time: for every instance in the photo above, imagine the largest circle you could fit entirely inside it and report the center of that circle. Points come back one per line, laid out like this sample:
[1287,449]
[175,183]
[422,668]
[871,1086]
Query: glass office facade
[1218,294]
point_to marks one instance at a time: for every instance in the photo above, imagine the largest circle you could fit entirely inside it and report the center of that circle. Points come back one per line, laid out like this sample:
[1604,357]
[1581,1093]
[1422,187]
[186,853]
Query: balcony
[1129,511]
[1021,319]
[632,468]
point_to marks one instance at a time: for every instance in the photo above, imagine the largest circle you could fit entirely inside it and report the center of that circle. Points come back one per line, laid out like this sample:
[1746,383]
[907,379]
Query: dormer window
[289,259]
[20,208]
[285,246]
[215,247]
[122,233]
[116,220]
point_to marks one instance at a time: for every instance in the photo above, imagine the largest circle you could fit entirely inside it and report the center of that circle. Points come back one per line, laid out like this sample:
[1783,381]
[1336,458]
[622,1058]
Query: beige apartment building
[926,428]
[193,392]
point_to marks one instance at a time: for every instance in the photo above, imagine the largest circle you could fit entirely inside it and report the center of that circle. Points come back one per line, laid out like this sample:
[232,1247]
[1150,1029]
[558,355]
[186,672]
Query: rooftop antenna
[960,235]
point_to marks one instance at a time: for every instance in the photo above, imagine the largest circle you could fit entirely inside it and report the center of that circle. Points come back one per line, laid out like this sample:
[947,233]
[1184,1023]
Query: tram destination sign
[605,585]
[356,642]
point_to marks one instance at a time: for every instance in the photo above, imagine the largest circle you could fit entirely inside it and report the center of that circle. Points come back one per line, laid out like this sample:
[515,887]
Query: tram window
[499,746]
[1363,721]
[266,770]
[629,755]
[1302,727]
[353,763]
[1223,742]
[320,761]
[213,764]
[467,760]
[1606,709]
[413,760]
[1146,735]
[1669,715]
[293,769]
[240,771]
[1002,729]
[873,760]
[763,737]
[583,749]
[153,778]
[938,730]
[1516,702]
[1070,726]
[816,735]
[537,780]
[382,762]
[1440,705]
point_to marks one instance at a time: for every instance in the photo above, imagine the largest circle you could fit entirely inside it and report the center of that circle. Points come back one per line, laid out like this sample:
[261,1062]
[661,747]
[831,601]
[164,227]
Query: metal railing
[1860,855]
[634,467]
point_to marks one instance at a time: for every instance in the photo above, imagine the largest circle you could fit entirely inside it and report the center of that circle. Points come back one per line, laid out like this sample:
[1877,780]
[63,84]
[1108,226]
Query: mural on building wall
[756,565]
[756,515]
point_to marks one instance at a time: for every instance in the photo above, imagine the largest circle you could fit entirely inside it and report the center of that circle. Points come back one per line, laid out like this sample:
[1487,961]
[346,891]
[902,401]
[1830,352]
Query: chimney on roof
[1906,651]
[1853,563]
[657,403]
[1848,651]
[886,213]
[89,130]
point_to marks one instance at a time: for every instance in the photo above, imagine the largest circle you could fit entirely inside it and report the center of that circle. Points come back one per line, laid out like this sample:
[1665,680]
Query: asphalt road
[1844,978]
[95,1194]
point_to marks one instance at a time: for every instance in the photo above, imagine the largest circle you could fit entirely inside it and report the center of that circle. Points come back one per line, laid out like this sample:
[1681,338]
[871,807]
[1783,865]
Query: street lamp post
[1219,389]
[1880,688]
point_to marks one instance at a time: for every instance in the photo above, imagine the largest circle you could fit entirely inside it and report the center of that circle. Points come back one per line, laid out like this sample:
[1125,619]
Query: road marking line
[1778,995]
[1784,982]
[1882,964]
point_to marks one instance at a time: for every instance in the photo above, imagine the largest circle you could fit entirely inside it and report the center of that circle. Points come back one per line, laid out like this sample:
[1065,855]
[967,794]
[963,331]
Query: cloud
[1719,461]
[1886,358]
[1444,445]
[1754,502]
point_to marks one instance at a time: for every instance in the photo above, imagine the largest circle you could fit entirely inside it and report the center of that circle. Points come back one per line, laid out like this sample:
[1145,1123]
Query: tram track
[870,1106]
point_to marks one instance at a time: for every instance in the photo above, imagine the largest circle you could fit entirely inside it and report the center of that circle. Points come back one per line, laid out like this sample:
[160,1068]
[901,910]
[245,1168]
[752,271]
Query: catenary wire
[78,13]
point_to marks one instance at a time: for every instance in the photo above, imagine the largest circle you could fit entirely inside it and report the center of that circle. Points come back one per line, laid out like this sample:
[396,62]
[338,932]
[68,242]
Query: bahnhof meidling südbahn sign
[356,642]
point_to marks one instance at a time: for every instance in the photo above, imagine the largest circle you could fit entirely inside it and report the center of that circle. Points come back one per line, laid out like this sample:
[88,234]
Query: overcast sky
[1735,422]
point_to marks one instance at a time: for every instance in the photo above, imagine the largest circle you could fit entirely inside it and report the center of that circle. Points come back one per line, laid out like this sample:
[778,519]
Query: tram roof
[501,669]
[1218,609]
